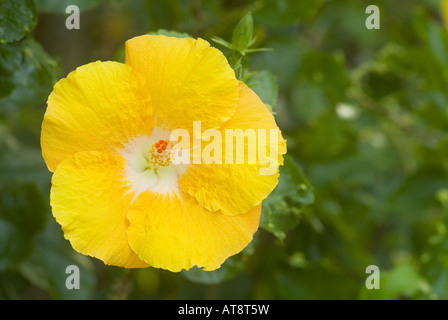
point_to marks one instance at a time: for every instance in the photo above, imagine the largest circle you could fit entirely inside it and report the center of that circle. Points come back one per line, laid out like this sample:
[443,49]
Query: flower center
[160,154]
[150,163]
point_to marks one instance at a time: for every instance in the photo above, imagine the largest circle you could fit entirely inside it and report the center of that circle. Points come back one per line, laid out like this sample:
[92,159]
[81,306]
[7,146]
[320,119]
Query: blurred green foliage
[364,112]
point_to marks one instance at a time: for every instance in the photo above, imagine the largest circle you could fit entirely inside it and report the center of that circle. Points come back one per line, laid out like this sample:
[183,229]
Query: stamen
[161,153]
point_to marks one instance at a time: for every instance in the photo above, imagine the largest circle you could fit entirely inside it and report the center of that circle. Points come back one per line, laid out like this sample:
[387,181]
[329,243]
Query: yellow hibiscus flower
[117,191]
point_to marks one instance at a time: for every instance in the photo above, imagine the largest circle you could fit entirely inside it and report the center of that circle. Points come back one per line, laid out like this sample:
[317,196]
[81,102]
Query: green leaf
[282,209]
[236,62]
[222,42]
[46,266]
[243,34]
[24,165]
[6,83]
[23,205]
[29,73]
[23,214]
[258,50]
[59,6]
[264,83]
[24,181]
[17,18]
[403,281]
[14,245]
[275,13]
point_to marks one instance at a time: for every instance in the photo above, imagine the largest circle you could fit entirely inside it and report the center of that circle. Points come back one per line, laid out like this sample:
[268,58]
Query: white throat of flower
[149,164]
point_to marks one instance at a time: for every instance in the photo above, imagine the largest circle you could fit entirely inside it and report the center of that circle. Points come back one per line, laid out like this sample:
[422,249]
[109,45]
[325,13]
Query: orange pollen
[161,153]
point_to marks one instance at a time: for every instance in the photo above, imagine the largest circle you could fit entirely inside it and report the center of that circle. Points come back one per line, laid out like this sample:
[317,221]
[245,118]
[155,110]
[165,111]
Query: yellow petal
[99,107]
[235,188]
[176,233]
[89,200]
[187,79]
